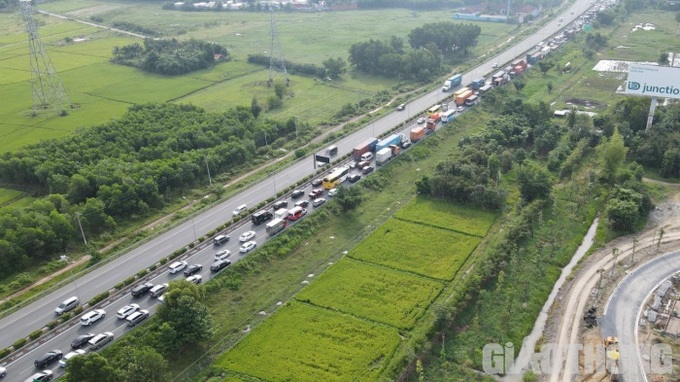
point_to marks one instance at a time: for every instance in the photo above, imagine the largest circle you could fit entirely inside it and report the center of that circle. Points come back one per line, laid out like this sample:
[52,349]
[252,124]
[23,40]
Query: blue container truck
[478,83]
[394,139]
[452,82]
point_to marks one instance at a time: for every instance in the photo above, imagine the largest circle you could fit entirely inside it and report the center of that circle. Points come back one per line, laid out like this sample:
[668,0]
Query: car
[100,340]
[3,372]
[302,203]
[280,204]
[219,265]
[406,143]
[363,164]
[220,239]
[247,236]
[126,311]
[354,178]
[319,201]
[461,109]
[41,376]
[367,170]
[192,269]
[67,305]
[48,358]
[495,65]
[240,209]
[177,266]
[137,317]
[247,246]
[91,317]
[421,120]
[297,193]
[62,362]
[315,193]
[141,290]
[81,340]
[196,279]
[332,192]
[222,255]
[316,182]
[158,290]
[401,107]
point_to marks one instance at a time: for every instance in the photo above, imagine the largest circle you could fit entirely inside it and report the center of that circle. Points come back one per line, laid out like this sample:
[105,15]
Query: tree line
[169,57]
[332,67]
[127,167]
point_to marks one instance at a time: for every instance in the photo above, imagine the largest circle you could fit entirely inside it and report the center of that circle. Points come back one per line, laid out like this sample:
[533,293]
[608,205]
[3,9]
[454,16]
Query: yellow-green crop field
[374,292]
[417,248]
[307,343]
[446,215]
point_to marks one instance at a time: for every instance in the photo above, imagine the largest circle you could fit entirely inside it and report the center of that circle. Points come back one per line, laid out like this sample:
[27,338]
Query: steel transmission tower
[48,92]
[276,61]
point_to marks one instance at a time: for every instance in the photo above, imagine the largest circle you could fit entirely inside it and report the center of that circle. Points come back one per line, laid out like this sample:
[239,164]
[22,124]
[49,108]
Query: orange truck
[460,99]
[417,133]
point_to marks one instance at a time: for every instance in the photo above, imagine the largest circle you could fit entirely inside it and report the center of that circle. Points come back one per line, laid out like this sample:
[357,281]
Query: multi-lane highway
[39,313]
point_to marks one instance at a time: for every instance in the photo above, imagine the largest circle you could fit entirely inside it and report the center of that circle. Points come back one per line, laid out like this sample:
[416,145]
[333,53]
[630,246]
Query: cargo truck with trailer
[383,156]
[499,78]
[452,82]
[478,83]
[417,133]
[460,91]
[460,99]
[485,89]
[275,226]
[366,146]
[393,139]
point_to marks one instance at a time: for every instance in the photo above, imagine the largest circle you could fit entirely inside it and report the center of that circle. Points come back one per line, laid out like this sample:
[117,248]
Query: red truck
[368,145]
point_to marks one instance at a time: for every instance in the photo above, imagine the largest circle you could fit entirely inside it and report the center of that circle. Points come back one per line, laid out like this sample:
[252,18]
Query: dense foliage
[450,38]
[660,146]
[332,67]
[129,166]
[390,59]
[170,57]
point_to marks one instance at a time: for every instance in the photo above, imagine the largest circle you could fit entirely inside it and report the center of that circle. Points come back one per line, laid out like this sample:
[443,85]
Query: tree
[519,85]
[348,198]
[544,66]
[280,90]
[612,154]
[184,309]
[550,87]
[90,368]
[494,166]
[141,364]
[534,182]
[663,58]
[255,107]
[335,67]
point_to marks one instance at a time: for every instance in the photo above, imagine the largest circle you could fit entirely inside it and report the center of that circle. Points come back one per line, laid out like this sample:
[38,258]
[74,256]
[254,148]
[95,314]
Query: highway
[623,309]
[39,313]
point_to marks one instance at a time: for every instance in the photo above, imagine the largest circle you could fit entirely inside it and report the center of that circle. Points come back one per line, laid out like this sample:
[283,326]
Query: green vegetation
[307,343]
[169,57]
[417,248]
[369,291]
[446,215]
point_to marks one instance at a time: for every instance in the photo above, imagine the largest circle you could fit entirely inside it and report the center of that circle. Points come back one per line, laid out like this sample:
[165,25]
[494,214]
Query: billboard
[653,81]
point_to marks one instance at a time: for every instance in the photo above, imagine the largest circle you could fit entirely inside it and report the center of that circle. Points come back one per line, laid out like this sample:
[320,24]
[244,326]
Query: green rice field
[446,215]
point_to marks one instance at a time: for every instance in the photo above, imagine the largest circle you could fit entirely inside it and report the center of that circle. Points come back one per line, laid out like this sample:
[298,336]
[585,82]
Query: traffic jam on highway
[99,326]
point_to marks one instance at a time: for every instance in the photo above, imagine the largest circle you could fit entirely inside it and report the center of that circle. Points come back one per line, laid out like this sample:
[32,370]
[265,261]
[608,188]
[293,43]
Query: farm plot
[413,247]
[308,343]
[374,292]
[447,215]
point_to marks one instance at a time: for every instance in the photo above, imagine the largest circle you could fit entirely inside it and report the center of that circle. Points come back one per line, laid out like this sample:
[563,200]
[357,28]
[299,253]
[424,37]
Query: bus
[434,109]
[333,179]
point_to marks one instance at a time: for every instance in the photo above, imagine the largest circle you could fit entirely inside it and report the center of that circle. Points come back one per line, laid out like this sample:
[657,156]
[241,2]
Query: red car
[316,193]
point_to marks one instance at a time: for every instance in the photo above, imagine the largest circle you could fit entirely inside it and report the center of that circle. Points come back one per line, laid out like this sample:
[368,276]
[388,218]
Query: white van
[67,305]
[240,209]
[367,156]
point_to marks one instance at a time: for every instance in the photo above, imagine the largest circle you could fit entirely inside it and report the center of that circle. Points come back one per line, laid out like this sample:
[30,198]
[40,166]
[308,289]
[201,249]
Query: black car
[48,358]
[280,204]
[297,193]
[316,182]
[354,178]
[141,290]
[192,269]
[367,170]
[302,203]
[81,340]
[219,265]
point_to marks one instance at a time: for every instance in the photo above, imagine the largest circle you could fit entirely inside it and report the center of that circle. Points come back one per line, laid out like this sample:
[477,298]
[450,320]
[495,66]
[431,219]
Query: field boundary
[440,227]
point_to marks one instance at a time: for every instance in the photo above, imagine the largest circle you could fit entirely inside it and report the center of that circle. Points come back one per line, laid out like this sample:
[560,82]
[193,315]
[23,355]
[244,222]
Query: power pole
[276,60]
[81,228]
[48,92]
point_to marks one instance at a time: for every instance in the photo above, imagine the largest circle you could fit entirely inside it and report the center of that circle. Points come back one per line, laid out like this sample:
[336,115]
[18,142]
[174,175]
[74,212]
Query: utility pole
[81,227]
[208,167]
[632,257]
[615,253]
[68,263]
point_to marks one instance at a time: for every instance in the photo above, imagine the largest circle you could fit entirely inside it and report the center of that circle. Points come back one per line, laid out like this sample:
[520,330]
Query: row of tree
[170,57]
[332,67]
[129,166]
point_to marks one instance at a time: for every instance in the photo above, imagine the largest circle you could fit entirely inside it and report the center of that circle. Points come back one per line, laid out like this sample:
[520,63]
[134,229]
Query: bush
[65,317]
[53,324]
[152,268]
[142,273]
[98,298]
[163,261]
[35,334]
[5,352]
[19,343]
[78,309]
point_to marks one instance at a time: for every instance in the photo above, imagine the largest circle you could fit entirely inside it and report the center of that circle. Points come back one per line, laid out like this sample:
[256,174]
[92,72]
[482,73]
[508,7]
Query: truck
[281,213]
[485,89]
[499,78]
[518,70]
[366,146]
[448,116]
[275,226]
[460,91]
[478,83]
[460,100]
[472,100]
[393,139]
[452,82]
[431,125]
[611,348]
[417,133]
[520,62]
[396,149]
[383,156]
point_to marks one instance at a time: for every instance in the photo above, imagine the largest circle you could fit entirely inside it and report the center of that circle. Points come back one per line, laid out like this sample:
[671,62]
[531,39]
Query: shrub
[5,352]
[35,334]
[18,344]
[98,298]
[78,309]
[53,324]
[163,261]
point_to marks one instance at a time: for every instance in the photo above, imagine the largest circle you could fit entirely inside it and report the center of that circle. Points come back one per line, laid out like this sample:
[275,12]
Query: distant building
[480,17]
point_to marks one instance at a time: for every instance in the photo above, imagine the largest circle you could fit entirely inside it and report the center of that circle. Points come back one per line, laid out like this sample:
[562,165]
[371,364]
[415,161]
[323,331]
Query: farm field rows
[318,336]
[448,216]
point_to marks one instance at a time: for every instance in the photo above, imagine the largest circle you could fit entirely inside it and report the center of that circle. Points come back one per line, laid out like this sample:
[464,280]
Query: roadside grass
[417,248]
[287,346]
[369,291]
[446,215]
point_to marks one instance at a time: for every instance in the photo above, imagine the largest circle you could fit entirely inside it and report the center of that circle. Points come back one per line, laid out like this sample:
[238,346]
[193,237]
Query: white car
[127,310]
[3,372]
[177,266]
[246,236]
[62,362]
[222,255]
[240,209]
[319,201]
[196,279]
[421,120]
[332,192]
[247,246]
[90,318]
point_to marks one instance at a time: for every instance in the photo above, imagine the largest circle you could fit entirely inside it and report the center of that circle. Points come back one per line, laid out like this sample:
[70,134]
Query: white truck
[383,156]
